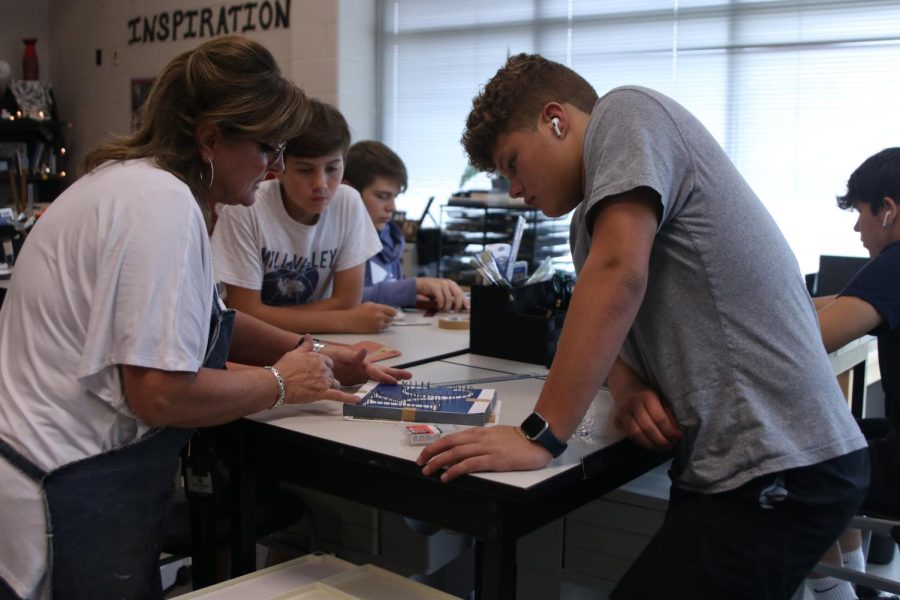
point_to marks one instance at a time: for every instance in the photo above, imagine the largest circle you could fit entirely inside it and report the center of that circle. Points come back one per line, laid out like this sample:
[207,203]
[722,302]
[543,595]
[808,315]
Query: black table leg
[495,577]
[858,390]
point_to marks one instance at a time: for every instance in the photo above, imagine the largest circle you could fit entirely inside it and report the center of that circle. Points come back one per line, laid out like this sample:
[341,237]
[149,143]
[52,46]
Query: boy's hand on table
[646,420]
[499,448]
[370,317]
[445,293]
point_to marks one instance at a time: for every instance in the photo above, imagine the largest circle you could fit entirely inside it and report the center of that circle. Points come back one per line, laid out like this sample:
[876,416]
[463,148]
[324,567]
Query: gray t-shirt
[726,332]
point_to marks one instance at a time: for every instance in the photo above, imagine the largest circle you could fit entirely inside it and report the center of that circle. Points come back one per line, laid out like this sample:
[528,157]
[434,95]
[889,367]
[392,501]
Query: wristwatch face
[533,426]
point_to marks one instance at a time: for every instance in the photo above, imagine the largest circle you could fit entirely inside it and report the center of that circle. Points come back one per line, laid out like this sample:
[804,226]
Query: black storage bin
[516,323]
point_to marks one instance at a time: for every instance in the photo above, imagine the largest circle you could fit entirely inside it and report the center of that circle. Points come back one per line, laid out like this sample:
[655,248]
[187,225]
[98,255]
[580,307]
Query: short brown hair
[326,133]
[513,99]
[369,159]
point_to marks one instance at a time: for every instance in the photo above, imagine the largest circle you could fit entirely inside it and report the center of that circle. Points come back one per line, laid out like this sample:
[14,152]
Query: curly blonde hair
[513,99]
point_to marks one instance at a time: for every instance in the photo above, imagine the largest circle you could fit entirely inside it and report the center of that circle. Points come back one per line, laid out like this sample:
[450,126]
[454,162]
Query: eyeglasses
[273,153]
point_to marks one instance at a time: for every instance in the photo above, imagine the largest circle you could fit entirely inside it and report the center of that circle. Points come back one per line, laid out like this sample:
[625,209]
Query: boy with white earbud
[692,304]
[870,304]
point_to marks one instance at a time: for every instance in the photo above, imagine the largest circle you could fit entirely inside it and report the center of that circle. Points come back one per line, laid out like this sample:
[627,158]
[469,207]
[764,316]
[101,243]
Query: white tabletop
[517,397]
[418,339]
[498,364]
[854,352]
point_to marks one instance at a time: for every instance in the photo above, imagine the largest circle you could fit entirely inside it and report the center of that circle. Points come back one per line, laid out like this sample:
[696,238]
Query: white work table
[501,365]
[854,357]
[418,338]
[371,462]
[517,397]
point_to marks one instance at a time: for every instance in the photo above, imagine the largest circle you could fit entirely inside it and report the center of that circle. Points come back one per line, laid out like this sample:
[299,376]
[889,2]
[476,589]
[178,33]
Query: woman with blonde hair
[113,339]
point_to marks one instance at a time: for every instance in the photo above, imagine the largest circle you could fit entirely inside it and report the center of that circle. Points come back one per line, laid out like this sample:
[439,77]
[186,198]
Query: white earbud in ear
[885,220]
[554,125]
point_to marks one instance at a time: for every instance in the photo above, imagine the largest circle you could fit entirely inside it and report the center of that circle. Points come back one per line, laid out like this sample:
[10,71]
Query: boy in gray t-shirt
[691,303]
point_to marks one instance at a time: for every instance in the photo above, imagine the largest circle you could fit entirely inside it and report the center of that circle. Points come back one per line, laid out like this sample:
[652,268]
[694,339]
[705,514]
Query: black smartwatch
[536,429]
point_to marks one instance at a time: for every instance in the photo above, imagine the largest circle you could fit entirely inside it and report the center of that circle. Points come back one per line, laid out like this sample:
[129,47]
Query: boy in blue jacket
[379,176]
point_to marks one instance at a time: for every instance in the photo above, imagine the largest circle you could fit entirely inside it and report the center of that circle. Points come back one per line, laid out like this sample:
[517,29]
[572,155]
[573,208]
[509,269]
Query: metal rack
[465,230]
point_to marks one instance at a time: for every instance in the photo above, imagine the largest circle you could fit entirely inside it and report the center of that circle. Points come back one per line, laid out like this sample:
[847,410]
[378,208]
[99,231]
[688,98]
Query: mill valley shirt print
[291,279]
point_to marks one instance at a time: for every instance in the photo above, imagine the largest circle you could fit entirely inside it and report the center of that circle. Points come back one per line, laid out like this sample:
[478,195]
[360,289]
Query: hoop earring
[212,174]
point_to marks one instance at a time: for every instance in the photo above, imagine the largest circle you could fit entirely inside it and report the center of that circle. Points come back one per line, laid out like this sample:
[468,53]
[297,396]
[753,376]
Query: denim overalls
[105,513]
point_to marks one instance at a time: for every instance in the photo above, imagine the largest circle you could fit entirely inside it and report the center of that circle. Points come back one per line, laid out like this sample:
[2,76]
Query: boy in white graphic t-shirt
[297,257]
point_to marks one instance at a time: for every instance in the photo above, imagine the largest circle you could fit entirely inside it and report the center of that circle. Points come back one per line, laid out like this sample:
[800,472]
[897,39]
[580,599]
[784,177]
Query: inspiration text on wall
[209,22]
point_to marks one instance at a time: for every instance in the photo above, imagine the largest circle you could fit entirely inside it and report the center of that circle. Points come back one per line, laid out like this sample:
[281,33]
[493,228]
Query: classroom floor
[889,571]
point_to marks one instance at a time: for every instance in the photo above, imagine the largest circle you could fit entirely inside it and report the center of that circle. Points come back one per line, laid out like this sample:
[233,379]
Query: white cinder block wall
[328,50]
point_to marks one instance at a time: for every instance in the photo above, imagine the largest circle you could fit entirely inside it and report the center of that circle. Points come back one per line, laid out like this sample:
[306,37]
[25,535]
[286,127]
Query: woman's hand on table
[352,368]
[498,448]
[445,293]
[308,376]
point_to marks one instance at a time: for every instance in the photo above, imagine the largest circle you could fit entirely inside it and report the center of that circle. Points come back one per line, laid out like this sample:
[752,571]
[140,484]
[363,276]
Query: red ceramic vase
[30,60]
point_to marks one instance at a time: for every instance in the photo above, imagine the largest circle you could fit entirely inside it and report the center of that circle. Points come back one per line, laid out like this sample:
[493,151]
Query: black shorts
[757,542]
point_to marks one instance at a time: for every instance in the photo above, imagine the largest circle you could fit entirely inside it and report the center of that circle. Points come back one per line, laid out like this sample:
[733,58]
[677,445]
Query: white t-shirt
[117,271]
[262,248]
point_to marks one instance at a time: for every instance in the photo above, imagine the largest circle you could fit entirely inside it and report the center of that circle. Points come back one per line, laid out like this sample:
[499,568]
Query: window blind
[797,92]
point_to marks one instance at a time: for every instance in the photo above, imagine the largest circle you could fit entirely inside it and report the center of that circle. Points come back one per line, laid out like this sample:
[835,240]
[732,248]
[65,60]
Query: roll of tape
[454,322]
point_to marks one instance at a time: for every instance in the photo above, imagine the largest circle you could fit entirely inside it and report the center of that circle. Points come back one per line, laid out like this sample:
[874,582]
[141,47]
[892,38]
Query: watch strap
[552,443]
[545,436]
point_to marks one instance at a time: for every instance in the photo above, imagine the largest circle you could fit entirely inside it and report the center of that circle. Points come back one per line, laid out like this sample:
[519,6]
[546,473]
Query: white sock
[830,588]
[854,559]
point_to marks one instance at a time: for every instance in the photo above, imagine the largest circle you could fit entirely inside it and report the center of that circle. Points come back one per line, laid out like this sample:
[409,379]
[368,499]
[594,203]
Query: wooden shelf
[50,179]
[31,125]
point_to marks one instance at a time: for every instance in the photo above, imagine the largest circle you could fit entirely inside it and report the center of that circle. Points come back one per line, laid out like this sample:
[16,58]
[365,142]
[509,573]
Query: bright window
[797,92]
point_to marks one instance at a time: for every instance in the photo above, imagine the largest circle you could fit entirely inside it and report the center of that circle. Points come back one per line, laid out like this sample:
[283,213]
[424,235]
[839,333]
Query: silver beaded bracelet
[281,387]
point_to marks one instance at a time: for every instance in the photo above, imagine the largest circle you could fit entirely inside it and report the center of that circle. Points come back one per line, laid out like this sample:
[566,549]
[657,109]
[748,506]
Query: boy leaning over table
[690,301]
